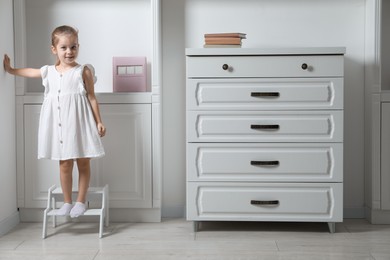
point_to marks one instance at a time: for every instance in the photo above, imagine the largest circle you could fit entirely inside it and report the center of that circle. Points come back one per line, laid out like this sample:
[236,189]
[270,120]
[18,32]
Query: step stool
[55,193]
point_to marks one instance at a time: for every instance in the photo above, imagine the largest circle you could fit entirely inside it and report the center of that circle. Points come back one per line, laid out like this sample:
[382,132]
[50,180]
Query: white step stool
[55,193]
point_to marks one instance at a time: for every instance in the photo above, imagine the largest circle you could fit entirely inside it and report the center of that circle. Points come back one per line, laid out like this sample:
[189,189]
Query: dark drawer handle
[225,67]
[265,163]
[271,127]
[304,66]
[264,202]
[265,94]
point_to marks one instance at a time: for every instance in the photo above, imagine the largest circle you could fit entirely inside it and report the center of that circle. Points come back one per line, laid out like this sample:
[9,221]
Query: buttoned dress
[67,127]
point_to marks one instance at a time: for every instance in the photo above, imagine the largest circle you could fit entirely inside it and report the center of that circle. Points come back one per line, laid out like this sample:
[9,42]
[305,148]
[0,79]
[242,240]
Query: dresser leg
[196,226]
[332,227]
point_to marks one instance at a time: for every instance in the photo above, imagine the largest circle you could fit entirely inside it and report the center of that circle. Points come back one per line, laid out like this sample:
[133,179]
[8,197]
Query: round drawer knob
[304,66]
[225,67]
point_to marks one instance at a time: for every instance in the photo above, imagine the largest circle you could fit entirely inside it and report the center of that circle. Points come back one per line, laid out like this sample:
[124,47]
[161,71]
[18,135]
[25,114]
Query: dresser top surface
[265,51]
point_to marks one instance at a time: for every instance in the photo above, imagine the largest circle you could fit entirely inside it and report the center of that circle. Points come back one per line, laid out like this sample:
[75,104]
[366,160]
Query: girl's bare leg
[84,176]
[84,168]
[66,168]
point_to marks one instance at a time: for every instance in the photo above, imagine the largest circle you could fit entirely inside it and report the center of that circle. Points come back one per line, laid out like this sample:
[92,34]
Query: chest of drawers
[265,135]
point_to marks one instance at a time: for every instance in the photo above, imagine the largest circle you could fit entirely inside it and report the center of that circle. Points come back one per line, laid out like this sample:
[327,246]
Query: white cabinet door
[39,174]
[126,167]
[385,157]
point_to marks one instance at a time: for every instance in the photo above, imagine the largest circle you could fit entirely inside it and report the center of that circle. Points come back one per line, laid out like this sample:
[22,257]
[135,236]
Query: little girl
[70,126]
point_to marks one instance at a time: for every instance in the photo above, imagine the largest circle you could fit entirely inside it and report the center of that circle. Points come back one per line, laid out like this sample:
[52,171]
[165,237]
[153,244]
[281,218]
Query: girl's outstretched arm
[23,72]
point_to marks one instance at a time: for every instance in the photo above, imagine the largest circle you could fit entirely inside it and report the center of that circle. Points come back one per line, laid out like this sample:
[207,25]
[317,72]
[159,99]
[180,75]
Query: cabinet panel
[265,66]
[265,126]
[265,162]
[126,167]
[265,201]
[270,94]
[385,155]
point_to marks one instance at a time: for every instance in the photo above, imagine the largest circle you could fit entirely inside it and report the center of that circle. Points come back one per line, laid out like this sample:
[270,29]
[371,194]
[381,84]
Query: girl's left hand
[101,129]
[7,63]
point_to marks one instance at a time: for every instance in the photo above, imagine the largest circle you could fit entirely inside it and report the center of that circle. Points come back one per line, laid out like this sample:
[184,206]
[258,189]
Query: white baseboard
[173,212]
[153,215]
[9,223]
[378,216]
[354,213]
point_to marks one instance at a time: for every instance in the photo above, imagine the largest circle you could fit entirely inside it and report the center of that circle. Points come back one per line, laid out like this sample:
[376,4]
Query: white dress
[67,127]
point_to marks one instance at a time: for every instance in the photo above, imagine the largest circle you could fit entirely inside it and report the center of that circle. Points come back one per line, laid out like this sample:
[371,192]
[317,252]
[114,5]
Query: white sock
[78,210]
[65,209]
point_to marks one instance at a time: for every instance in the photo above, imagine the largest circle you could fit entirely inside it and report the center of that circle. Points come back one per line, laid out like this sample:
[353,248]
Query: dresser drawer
[264,201]
[309,162]
[267,126]
[265,66]
[264,94]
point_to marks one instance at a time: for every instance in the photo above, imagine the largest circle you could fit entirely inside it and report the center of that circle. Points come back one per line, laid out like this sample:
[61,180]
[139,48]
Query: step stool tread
[88,212]
[91,190]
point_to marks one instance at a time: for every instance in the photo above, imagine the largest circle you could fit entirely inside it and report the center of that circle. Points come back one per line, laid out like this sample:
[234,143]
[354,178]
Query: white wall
[8,210]
[268,23]
[173,96]
[97,34]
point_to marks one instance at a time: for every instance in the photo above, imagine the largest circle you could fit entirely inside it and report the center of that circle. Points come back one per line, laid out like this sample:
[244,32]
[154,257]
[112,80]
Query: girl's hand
[101,129]
[7,63]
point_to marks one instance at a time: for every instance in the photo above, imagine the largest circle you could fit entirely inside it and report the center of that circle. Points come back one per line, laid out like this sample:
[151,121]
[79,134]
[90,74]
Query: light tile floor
[174,239]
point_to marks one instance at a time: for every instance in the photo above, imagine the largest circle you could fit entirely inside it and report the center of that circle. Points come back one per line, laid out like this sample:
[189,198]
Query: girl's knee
[66,164]
[83,164]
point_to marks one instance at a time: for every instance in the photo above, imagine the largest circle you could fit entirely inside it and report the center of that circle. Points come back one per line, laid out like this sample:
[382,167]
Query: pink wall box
[129,74]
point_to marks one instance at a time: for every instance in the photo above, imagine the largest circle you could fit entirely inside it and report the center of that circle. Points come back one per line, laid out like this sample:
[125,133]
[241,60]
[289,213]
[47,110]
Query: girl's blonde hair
[62,30]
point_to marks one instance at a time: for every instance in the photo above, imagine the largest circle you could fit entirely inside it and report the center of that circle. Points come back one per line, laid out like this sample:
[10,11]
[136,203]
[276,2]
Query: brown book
[222,46]
[223,40]
[234,35]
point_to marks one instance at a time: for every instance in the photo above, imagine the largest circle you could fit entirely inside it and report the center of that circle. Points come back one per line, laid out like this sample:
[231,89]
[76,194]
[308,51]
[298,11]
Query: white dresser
[265,135]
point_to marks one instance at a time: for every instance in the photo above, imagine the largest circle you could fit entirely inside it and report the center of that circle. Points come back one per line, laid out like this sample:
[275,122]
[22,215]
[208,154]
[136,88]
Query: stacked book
[229,40]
